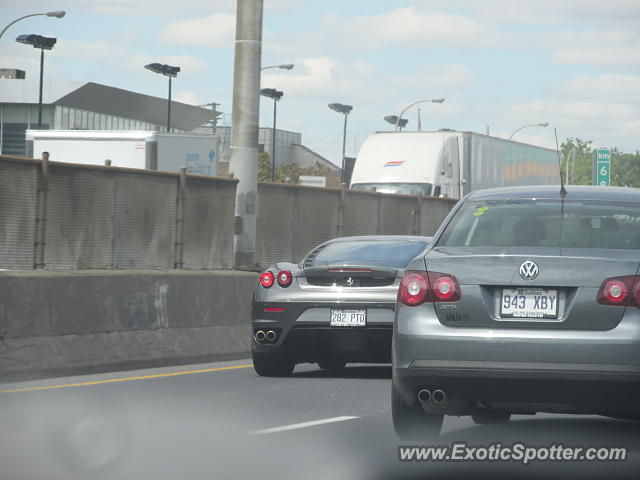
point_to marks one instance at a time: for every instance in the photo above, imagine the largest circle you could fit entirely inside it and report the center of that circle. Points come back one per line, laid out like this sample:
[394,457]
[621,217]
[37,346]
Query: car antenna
[563,191]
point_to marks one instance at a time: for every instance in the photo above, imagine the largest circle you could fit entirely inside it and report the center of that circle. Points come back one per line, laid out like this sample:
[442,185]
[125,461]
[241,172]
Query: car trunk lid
[565,282]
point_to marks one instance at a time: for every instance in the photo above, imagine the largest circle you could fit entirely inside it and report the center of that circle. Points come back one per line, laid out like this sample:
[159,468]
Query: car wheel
[491,416]
[332,365]
[273,364]
[412,423]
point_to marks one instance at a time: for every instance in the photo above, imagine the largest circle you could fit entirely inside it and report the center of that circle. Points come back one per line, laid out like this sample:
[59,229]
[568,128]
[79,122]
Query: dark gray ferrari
[526,301]
[335,307]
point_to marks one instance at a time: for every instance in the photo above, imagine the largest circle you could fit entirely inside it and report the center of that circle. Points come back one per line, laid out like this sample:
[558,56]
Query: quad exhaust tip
[271,336]
[260,336]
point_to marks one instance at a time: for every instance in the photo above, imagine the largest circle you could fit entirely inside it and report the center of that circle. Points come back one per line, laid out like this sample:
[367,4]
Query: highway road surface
[222,421]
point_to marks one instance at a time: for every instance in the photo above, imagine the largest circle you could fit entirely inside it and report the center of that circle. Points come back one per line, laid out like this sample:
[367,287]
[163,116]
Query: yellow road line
[128,379]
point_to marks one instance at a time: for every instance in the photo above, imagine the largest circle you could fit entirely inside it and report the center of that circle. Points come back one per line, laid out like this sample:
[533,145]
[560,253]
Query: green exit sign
[602,165]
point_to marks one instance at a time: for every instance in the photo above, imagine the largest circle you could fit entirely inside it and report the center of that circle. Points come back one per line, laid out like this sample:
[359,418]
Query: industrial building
[70,105]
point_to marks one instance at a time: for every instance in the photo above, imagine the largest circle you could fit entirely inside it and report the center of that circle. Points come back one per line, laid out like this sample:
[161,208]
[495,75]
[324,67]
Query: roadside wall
[78,320]
[62,216]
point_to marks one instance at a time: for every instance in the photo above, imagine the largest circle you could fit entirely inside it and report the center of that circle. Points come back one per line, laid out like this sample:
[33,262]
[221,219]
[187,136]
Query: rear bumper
[527,370]
[304,333]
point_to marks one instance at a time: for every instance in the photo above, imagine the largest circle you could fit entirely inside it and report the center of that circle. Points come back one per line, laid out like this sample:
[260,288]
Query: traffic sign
[603,167]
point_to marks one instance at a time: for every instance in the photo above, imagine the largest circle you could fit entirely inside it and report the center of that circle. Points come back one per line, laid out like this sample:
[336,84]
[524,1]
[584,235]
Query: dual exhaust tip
[426,395]
[261,336]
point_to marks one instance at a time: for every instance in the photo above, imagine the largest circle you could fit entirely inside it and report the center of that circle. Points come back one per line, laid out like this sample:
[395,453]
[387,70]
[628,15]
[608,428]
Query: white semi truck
[166,152]
[449,163]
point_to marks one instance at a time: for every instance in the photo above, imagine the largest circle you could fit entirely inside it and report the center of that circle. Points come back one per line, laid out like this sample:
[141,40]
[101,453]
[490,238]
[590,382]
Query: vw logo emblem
[350,282]
[529,270]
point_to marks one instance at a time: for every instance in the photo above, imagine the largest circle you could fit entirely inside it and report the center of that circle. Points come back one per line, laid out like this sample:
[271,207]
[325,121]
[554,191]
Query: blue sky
[498,63]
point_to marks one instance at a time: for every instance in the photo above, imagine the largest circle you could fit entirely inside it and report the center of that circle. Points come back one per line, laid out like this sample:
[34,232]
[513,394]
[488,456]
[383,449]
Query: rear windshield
[375,253]
[537,223]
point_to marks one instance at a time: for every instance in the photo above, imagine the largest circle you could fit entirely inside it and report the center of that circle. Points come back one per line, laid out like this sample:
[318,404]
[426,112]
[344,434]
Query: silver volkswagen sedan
[526,301]
[336,306]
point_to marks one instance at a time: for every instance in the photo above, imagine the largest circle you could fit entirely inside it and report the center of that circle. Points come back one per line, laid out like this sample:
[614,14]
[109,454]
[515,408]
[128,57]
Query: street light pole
[433,100]
[543,124]
[344,143]
[345,110]
[273,144]
[275,95]
[168,71]
[57,14]
[43,43]
[40,95]
[169,109]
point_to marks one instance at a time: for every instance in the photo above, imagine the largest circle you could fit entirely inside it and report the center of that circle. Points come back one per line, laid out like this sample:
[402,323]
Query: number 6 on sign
[603,171]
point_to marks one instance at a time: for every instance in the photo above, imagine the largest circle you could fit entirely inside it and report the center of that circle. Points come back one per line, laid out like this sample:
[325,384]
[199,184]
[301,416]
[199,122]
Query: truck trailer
[449,163]
[150,150]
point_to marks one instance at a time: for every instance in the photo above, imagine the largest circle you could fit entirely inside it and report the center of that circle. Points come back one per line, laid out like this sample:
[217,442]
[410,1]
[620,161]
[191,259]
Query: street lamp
[432,100]
[285,66]
[167,71]
[544,124]
[345,110]
[43,43]
[393,120]
[57,14]
[275,95]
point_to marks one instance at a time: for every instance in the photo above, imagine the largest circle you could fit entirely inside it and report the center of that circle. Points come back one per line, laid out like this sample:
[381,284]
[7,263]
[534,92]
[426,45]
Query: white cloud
[325,79]
[436,76]
[409,28]
[605,87]
[187,96]
[545,12]
[217,31]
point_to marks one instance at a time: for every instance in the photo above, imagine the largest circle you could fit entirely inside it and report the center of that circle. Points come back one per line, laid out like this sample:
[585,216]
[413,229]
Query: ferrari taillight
[267,279]
[284,278]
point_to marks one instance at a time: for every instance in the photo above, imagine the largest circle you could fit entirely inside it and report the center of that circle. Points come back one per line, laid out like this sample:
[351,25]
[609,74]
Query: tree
[264,167]
[317,170]
[583,161]
[625,167]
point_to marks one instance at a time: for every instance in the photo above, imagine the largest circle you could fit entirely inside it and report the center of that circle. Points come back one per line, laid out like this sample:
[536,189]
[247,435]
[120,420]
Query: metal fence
[292,219]
[65,216]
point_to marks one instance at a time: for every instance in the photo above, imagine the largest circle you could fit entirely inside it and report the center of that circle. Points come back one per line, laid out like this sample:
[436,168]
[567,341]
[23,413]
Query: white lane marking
[295,426]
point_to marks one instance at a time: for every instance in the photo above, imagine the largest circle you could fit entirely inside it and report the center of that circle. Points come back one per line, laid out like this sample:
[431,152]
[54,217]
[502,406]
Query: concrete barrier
[55,322]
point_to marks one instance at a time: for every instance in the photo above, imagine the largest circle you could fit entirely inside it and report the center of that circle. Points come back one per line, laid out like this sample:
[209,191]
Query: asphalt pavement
[221,420]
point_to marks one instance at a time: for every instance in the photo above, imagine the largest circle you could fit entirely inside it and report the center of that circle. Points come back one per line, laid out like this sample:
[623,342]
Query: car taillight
[414,288]
[284,278]
[620,291]
[267,279]
[445,287]
[418,286]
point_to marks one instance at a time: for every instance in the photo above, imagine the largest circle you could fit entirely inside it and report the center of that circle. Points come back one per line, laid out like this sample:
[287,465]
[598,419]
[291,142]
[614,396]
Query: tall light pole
[284,66]
[43,43]
[57,14]
[543,124]
[432,100]
[275,95]
[167,71]
[244,128]
[345,110]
